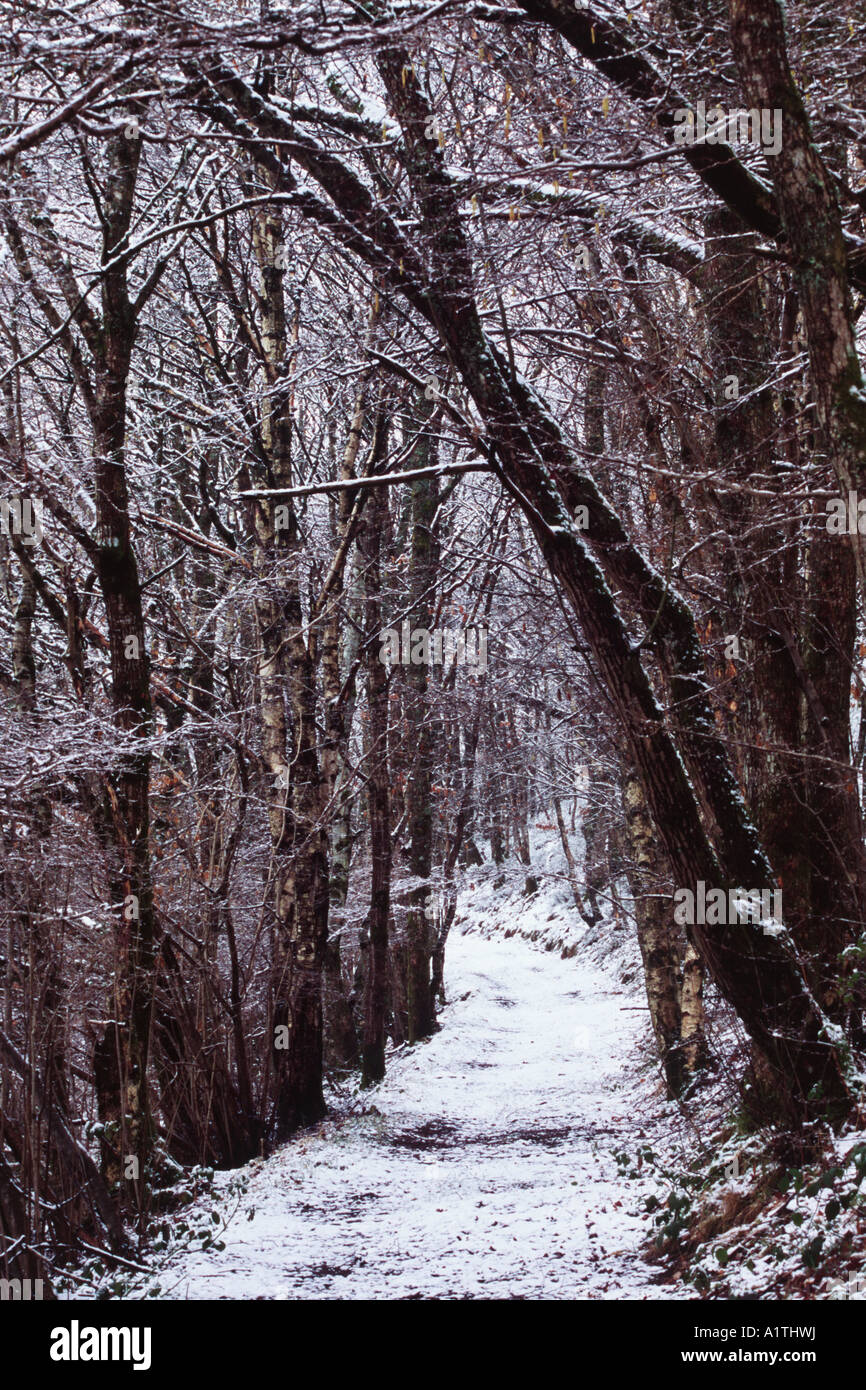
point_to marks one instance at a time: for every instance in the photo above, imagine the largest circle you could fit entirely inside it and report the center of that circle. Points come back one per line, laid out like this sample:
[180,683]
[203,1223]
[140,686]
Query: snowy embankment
[485,1165]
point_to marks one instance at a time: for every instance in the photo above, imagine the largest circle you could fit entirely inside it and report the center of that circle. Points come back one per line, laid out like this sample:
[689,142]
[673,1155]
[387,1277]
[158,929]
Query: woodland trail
[484,1167]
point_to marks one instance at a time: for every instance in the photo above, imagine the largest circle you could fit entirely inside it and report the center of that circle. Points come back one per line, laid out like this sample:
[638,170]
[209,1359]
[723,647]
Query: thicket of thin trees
[258,264]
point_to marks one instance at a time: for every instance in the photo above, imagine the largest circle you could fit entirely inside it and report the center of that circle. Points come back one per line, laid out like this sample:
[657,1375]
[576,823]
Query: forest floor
[525,1151]
[488,1164]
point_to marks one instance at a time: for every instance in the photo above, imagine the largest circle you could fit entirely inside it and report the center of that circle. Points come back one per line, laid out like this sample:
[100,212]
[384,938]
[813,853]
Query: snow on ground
[483,1167]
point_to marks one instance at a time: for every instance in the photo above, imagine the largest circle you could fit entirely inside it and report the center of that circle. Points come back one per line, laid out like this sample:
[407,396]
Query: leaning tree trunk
[682,761]
[757,972]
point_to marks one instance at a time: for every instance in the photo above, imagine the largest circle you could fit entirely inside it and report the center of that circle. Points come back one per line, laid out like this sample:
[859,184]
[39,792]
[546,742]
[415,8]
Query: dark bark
[287,685]
[379,809]
[421,1018]
[756,972]
[124,1049]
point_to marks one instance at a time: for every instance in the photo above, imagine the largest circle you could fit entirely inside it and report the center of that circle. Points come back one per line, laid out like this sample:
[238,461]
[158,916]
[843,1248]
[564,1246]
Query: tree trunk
[659,947]
[124,1050]
[287,672]
[379,807]
[421,1020]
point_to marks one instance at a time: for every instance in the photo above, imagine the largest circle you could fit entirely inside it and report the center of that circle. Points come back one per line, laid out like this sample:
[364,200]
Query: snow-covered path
[485,1167]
